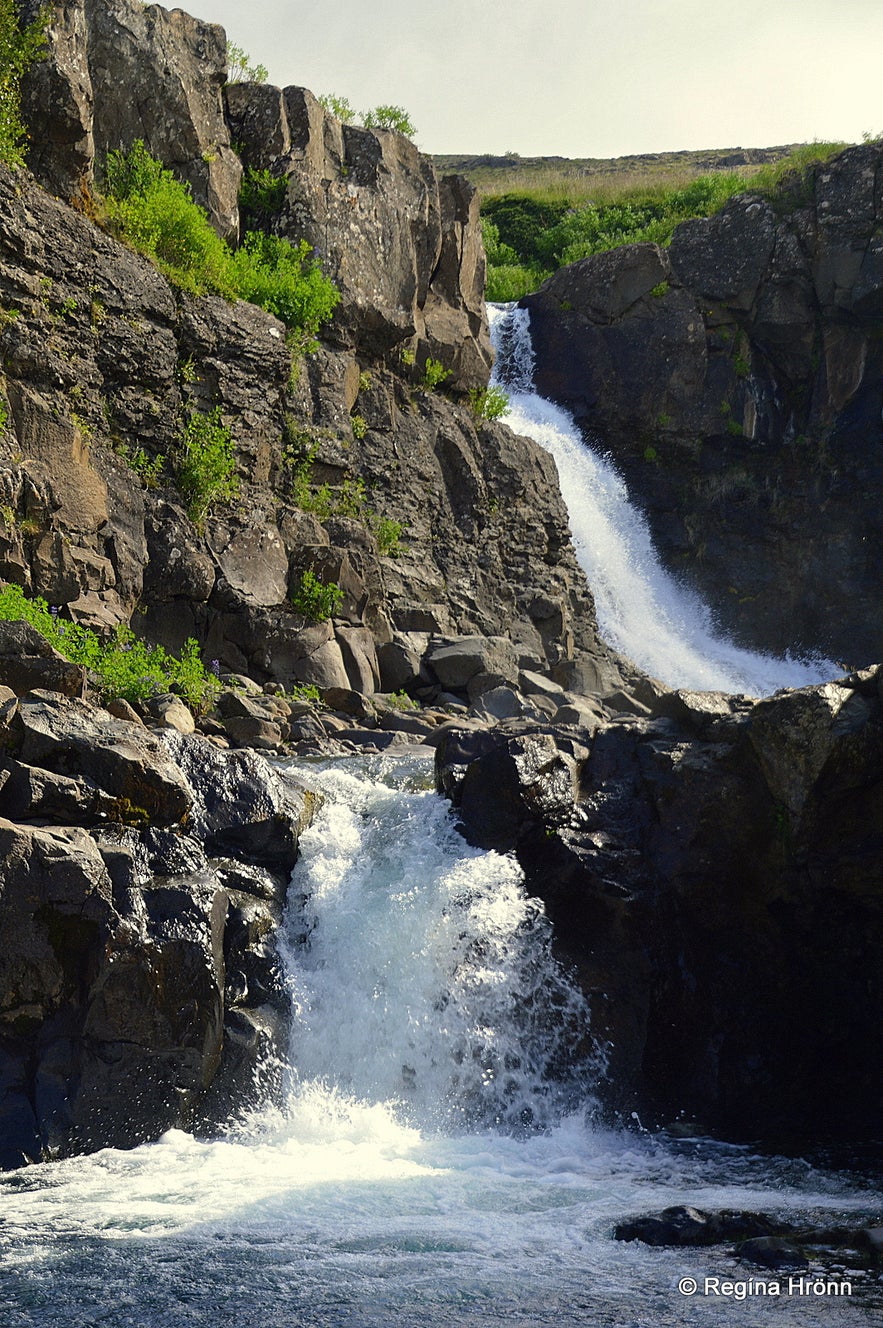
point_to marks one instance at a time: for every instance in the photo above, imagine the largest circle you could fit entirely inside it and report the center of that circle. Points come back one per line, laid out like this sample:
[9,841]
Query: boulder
[128,764]
[455,663]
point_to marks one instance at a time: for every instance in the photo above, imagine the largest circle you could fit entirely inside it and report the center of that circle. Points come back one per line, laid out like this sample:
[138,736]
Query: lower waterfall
[434,1160]
[643,611]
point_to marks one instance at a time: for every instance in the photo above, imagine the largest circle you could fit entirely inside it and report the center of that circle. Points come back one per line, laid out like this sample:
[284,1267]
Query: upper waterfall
[643,611]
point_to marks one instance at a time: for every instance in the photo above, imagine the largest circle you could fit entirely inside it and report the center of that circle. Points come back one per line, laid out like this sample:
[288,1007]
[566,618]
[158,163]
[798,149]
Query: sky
[581,78]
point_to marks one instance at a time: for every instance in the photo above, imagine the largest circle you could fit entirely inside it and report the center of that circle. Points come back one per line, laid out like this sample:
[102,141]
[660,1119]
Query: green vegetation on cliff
[19,47]
[125,666]
[155,213]
[531,234]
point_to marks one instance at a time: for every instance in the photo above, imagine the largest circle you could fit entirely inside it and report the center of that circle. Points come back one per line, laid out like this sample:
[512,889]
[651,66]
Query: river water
[435,1160]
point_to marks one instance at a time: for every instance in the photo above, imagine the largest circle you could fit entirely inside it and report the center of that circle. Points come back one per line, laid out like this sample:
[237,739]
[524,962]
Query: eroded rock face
[403,246]
[713,875]
[118,71]
[141,884]
[735,379]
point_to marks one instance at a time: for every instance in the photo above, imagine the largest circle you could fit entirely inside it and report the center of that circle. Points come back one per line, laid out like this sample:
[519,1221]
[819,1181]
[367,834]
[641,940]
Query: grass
[126,667]
[545,221]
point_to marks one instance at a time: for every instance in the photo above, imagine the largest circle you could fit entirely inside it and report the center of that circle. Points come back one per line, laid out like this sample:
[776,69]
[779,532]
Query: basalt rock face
[117,71]
[104,363]
[142,881]
[735,378]
[403,246]
[713,875]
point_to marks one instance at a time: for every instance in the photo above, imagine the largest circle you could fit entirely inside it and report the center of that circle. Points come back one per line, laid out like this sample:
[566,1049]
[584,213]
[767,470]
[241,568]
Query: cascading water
[432,1163]
[643,612]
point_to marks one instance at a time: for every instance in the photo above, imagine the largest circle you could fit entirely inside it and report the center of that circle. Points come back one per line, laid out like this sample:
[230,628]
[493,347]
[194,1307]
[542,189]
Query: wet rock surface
[691,863]
[142,881]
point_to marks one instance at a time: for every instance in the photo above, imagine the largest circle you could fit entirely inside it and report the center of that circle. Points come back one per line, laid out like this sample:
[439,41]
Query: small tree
[389,117]
[240,69]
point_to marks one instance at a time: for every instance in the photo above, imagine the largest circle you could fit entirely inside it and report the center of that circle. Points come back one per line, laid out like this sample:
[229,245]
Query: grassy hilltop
[540,213]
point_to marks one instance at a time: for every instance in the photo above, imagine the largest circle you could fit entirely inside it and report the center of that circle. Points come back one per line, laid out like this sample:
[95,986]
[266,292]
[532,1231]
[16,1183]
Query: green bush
[125,666]
[434,373]
[488,403]
[339,106]
[206,463]
[314,599]
[285,279]
[511,281]
[389,117]
[156,214]
[19,48]
[261,196]
[388,534]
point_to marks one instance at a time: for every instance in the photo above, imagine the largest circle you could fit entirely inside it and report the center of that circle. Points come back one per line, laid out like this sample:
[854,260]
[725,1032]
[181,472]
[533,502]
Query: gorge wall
[735,378]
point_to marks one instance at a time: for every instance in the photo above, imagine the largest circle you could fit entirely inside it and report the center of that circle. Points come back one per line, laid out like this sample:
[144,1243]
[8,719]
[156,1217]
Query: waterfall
[427,980]
[643,611]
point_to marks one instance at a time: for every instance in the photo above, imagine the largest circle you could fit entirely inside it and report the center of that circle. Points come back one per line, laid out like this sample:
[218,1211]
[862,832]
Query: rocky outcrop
[735,380]
[403,247]
[117,71]
[142,882]
[104,362]
[713,876]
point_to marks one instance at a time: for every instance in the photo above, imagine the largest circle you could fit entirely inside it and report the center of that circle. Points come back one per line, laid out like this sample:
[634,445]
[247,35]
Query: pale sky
[581,78]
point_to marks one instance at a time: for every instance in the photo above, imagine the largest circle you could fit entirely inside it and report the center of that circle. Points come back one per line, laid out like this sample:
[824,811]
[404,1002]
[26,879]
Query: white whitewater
[432,1164]
[643,612]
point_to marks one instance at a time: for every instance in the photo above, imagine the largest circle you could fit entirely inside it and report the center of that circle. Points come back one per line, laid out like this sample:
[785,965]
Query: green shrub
[147,206]
[156,214]
[125,666]
[339,106]
[401,701]
[389,117]
[388,534]
[285,279]
[206,463]
[488,403]
[19,48]
[261,196]
[434,373]
[359,426]
[314,599]
[147,468]
[513,280]
[240,69]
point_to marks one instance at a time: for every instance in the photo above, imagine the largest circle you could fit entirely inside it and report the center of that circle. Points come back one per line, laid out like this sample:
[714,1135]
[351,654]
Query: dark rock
[737,394]
[683,1225]
[241,809]
[772,1252]
[128,764]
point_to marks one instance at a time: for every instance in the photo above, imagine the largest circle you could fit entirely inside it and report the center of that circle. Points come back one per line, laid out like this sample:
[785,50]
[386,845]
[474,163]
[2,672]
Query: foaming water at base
[643,612]
[369,1197]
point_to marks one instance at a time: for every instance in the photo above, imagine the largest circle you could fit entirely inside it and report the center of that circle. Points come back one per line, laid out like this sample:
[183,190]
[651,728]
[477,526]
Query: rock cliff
[735,379]
[713,873]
